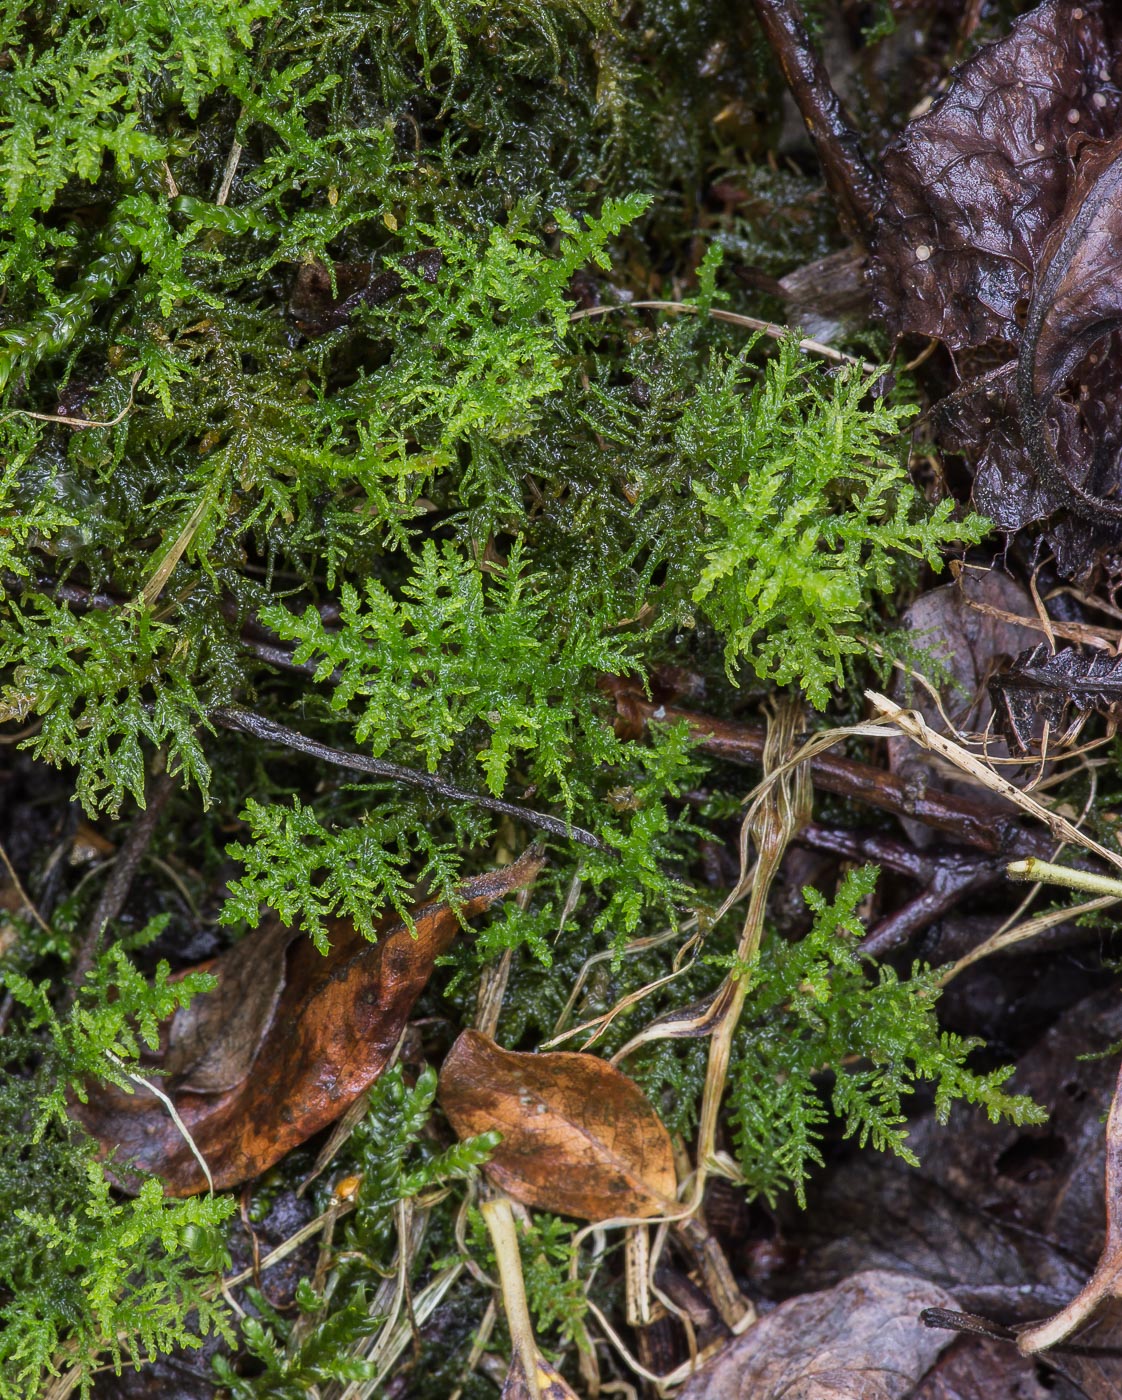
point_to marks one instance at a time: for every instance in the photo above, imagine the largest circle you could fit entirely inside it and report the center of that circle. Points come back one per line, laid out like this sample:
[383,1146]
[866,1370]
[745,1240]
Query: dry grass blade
[913,726]
[1020,933]
[499,1219]
[771,823]
[732,318]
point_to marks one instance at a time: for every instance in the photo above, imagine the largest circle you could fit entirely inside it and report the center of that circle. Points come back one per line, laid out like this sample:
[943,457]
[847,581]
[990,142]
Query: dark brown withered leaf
[1082,1341]
[1045,687]
[977,1368]
[998,236]
[862,1340]
[323,298]
[1103,1289]
[1009,1218]
[1076,302]
[976,184]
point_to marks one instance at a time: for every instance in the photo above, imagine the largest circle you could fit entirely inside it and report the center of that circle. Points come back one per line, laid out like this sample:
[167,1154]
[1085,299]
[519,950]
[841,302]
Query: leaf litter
[318,1031]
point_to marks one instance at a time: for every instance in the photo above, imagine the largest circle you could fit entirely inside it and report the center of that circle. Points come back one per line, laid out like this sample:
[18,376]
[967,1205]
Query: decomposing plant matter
[1042,687]
[578,1136]
[992,227]
[282,1045]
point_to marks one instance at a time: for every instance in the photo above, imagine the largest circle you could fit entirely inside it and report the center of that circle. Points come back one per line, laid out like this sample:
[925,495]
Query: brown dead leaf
[1076,303]
[977,183]
[302,1044]
[323,298]
[1008,1218]
[213,1041]
[862,1340]
[579,1137]
[997,236]
[959,625]
[1091,1358]
[976,1368]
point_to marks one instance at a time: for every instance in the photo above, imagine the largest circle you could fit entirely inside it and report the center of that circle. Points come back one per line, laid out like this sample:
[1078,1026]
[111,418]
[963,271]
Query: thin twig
[947,874]
[857,189]
[970,820]
[733,318]
[249,722]
[78,422]
[229,172]
[120,880]
[24,897]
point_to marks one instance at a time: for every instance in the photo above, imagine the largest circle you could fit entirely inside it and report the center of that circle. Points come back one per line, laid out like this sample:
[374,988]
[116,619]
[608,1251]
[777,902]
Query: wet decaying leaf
[579,1137]
[304,1049]
[323,298]
[862,1340]
[976,184]
[975,1368]
[1076,303]
[213,1041]
[998,235]
[1046,687]
[960,625]
[1009,1218]
[1092,1355]
[884,1216]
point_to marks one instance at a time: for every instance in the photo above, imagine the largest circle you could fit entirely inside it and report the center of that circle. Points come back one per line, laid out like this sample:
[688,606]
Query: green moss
[86,1277]
[457,508]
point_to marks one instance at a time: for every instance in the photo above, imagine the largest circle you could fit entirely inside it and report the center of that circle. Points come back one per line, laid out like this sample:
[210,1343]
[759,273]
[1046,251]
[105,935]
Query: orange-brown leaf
[298,1061]
[579,1137]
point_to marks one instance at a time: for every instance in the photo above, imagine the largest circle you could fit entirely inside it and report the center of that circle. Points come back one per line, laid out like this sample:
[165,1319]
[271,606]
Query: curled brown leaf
[998,236]
[300,1051]
[976,184]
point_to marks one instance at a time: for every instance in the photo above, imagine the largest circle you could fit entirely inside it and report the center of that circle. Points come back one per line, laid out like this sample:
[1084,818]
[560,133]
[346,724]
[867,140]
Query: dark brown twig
[854,185]
[249,722]
[947,875]
[120,879]
[970,821]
